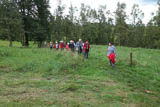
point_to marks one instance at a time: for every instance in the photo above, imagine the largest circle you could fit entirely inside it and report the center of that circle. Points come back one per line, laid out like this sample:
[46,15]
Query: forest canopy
[31,20]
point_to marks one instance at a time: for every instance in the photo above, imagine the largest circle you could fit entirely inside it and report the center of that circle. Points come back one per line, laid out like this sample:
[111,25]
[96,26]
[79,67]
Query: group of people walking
[79,46]
[84,48]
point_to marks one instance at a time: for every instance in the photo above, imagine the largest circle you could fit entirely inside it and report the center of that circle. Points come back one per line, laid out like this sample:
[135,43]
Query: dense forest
[31,20]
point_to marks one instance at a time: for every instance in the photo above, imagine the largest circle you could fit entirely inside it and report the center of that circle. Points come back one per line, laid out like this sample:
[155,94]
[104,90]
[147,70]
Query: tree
[104,25]
[30,20]
[138,28]
[83,14]
[121,26]
[42,21]
[58,34]
[10,20]
[152,32]
[157,17]
[70,24]
[27,10]
[72,11]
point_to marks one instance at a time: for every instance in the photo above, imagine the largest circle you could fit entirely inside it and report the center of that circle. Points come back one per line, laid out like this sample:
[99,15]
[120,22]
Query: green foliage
[121,28]
[31,20]
[10,21]
[42,24]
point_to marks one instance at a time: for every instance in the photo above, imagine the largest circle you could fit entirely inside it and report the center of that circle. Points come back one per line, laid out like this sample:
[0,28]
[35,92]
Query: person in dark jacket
[72,45]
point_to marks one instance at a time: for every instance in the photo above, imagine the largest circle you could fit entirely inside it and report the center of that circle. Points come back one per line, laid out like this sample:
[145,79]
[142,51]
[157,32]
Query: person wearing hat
[56,46]
[111,54]
[72,45]
[50,45]
[79,46]
[62,45]
[45,44]
[86,49]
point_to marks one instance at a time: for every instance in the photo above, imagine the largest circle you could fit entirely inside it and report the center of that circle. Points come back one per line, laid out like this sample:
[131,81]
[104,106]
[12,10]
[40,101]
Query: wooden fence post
[131,59]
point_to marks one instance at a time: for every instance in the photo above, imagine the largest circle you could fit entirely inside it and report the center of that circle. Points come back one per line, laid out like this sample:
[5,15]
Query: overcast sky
[147,6]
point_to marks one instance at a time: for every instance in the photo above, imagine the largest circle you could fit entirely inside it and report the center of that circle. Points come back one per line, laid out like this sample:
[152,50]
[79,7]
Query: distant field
[33,77]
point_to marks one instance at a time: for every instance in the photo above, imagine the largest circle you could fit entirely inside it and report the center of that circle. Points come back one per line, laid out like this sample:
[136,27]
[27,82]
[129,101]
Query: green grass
[32,77]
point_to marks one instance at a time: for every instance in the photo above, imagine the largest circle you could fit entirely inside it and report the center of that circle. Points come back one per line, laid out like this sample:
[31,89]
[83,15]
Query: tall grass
[44,77]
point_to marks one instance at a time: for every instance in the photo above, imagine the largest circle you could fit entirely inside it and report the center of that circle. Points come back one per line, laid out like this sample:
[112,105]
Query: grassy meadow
[40,77]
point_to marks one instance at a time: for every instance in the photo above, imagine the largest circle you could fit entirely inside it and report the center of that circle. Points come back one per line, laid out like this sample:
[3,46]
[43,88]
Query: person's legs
[113,60]
[80,50]
[73,49]
[112,65]
[87,52]
[86,55]
[110,62]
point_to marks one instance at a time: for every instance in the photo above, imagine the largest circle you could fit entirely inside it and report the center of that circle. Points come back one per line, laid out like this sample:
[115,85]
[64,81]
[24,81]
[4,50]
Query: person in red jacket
[111,53]
[56,46]
[67,46]
[86,49]
[62,45]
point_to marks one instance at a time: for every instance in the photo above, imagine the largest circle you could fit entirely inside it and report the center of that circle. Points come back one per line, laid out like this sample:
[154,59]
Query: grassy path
[43,78]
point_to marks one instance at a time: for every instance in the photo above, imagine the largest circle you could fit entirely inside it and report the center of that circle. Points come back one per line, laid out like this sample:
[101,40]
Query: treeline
[31,20]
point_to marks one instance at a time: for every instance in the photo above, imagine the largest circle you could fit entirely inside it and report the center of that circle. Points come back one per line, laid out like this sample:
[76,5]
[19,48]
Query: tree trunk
[40,44]
[26,40]
[119,40]
[10,43]
[22,41]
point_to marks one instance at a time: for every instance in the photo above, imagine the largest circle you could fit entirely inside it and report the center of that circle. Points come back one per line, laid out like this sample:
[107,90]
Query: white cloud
[147,8]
